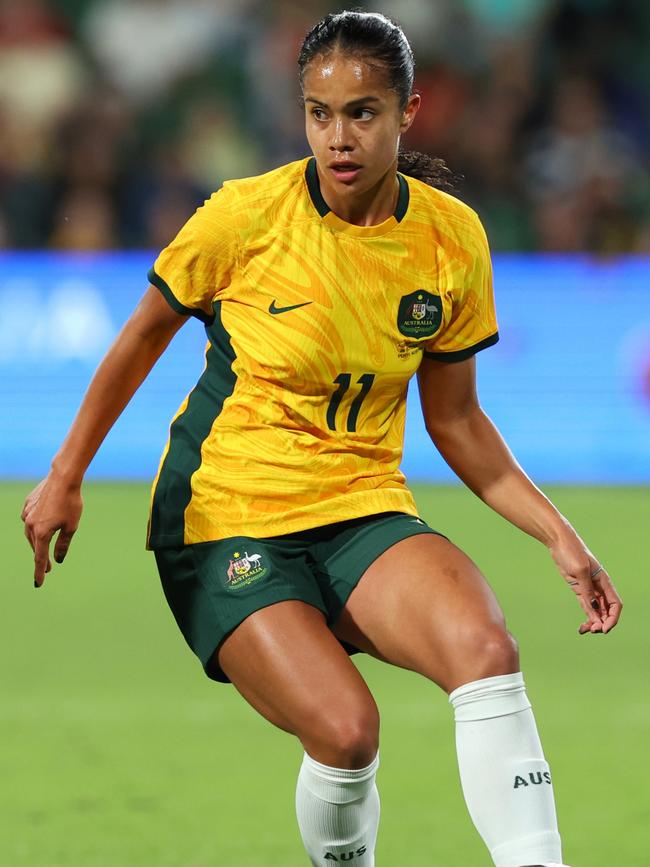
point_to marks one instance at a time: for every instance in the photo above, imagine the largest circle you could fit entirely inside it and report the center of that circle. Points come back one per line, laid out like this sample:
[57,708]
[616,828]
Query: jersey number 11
[343,381]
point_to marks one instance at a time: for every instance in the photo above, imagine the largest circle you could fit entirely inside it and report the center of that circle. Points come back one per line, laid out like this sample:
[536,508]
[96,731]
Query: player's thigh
[253,613]
[425,606]
[288,665]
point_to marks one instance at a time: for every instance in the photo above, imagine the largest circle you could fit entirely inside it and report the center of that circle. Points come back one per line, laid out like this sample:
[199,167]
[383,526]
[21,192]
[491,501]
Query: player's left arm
[474,449]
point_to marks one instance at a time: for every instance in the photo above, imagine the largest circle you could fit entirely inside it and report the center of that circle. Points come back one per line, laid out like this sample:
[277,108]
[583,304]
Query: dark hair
[374,36]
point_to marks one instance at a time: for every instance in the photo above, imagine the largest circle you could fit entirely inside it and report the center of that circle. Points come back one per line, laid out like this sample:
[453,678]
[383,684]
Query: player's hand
[53,505]
[590,582]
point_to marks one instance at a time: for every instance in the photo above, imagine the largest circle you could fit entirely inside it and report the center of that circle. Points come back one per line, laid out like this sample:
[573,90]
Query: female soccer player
[283,530]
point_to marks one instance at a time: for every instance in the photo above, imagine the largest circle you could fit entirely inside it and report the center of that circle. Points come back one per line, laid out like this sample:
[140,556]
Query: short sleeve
[473,323]
[199,262]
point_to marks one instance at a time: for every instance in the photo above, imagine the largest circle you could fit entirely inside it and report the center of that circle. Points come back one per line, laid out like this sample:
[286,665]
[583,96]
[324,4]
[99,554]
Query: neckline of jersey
[332,221]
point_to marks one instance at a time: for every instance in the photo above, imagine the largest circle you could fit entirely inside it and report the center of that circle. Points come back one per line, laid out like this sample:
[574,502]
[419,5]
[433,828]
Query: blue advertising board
[568,384]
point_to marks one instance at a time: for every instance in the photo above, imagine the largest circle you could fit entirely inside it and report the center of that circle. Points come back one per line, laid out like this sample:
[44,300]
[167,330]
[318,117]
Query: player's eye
[318,113]
[363,114]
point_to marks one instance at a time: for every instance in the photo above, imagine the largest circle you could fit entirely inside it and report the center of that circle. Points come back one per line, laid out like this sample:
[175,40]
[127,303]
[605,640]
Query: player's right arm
[56,504]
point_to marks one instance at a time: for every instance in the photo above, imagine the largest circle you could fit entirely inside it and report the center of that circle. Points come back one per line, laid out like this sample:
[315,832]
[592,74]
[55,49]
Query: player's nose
[341,138]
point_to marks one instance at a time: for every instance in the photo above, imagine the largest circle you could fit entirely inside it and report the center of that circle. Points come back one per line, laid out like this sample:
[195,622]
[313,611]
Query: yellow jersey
[315,327]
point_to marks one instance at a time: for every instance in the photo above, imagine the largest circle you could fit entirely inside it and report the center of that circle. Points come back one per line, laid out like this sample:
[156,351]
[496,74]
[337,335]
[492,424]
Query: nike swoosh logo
[274,310]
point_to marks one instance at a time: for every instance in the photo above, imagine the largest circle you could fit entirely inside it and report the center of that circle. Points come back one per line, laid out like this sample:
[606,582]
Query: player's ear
[408,115]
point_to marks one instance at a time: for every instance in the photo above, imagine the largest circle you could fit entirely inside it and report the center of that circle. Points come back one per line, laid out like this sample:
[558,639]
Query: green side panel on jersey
[187,435]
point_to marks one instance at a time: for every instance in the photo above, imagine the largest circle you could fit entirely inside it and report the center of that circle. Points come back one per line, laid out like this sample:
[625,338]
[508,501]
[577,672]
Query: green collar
[313,185]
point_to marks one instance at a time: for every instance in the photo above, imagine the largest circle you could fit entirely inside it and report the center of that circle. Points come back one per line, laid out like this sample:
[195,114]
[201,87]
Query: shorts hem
[214,671]
[351,583]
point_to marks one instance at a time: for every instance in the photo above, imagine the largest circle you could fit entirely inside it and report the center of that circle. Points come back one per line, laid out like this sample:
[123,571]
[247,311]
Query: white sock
[505,778]
[338,813]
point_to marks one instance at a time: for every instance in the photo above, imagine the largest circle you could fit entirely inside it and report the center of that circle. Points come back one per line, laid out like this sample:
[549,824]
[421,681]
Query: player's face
[353,123]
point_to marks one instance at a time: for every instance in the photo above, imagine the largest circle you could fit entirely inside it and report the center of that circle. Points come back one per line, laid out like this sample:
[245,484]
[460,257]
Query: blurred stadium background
[117,118]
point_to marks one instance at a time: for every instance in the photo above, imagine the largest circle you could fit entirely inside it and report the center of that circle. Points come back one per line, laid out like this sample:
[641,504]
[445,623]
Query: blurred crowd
[118,117]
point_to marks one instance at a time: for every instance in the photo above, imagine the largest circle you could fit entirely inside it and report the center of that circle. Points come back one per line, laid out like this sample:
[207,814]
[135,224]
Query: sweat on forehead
[328,63]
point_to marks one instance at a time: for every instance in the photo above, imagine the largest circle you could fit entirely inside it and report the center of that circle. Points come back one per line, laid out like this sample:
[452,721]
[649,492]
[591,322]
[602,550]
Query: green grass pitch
[116,751]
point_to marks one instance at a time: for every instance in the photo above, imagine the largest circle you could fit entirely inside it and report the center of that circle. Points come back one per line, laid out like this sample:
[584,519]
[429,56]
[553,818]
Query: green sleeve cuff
[173,301]
[464,354]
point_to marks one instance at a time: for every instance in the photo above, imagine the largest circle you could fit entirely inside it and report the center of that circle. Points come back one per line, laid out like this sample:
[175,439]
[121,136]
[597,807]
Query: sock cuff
[490,697]
[341,775]
[338,785]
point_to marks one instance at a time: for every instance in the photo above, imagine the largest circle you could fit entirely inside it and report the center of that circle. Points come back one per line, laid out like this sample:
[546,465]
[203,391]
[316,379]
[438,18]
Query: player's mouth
[345,172]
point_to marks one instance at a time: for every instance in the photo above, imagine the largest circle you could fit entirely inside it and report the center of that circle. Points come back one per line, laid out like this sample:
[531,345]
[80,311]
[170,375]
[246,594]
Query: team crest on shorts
[245,570]
[419,314]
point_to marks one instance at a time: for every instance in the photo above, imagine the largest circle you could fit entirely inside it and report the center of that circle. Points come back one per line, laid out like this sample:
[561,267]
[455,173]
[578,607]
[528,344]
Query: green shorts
[212,587]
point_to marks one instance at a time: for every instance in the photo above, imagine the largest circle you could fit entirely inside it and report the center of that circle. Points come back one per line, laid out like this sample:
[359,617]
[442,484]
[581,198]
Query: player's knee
[354,741]
[491,650]
[486,650]
[345,738]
